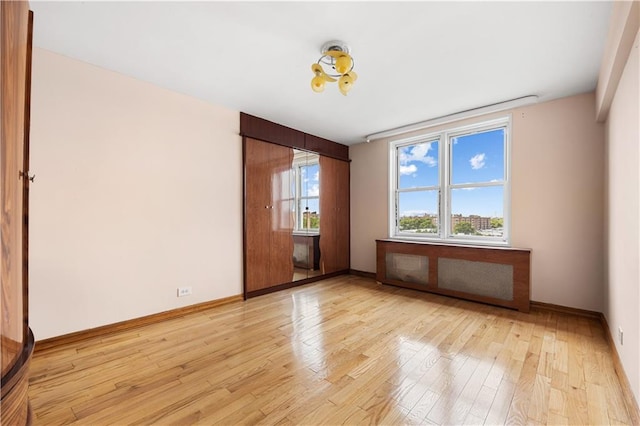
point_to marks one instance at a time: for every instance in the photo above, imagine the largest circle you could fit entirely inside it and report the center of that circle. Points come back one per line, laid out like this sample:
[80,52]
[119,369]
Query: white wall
[556,198]
[137,192]
[623,213]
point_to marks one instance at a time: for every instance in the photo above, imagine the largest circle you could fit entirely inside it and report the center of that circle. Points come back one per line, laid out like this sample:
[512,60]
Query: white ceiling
[415,60]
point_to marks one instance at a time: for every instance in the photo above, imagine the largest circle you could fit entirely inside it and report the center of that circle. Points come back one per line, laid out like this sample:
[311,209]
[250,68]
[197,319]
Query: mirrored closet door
[306,211]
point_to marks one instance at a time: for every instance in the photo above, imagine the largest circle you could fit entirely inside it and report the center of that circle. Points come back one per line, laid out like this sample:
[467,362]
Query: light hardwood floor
[344,350]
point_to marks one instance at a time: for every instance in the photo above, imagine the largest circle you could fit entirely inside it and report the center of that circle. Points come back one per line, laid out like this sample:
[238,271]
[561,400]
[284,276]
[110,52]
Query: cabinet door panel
[328,260]
[342,216]
[281,244]
[257,226]
[258,176]
[334,220]
[268,220]
[257,248]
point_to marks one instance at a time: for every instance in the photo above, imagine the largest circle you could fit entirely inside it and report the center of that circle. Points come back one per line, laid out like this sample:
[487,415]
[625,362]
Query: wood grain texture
[326,147]
[268,244]
[15,384]
[67,339]
[341,351]
[16,340]
[14,38]
[334,215]
[257,227]
[542,306]
[343,216]
[282,222]
[328,230]
[265,130]
[518,258]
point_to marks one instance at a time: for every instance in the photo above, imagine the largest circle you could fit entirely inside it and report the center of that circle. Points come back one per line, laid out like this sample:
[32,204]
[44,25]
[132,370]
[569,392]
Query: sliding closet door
[268,215]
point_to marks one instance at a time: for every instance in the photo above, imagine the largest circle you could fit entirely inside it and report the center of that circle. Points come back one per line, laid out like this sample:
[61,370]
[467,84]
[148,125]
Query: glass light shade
[317,83]
[343,64]
[345,83]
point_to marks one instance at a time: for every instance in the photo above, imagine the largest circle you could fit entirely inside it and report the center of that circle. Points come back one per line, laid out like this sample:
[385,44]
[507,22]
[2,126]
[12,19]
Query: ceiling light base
[335,45]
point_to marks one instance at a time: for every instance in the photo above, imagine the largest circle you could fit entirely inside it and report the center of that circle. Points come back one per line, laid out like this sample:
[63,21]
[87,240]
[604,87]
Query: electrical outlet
[620,335]
[184,291]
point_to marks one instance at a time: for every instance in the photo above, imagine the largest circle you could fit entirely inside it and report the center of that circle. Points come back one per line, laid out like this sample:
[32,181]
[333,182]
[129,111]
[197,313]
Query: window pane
[418,212]
[477,211]
[418,165]
[310,180]
[478,157]
[310,214]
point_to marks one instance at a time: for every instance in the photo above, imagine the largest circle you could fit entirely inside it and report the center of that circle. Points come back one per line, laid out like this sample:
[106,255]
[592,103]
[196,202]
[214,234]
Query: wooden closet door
[328,229]
[268,216]
[334,215]
[257,214]
[342,216]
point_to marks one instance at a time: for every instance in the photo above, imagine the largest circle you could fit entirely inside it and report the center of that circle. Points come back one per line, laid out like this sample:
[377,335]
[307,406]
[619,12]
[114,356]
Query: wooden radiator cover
[494,275]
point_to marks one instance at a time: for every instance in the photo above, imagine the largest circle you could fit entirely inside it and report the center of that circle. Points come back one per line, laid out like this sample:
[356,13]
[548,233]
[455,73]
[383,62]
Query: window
[306,170]
[452,185]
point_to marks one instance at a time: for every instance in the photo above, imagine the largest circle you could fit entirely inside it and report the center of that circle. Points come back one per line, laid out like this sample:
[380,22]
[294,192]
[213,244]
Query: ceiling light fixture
[336,55]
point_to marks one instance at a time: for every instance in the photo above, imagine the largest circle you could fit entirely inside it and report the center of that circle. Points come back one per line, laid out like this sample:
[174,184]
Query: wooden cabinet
[268,215]
[280,249]
[334,215]
[16,23]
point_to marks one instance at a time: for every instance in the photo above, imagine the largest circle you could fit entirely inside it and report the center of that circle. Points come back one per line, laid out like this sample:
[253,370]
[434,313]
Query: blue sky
[311,186]
[477,157]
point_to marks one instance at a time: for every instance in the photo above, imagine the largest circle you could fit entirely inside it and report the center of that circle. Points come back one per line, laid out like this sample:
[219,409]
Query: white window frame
[445,156]
[298,198]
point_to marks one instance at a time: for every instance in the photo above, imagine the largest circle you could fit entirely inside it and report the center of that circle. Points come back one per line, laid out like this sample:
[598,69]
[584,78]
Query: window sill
[453,243]
[306,233]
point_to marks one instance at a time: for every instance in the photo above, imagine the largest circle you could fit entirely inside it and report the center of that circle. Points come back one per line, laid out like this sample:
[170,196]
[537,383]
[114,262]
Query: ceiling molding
[475,112]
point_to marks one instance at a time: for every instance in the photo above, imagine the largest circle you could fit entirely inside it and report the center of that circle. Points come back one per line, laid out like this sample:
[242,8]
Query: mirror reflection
[305,188]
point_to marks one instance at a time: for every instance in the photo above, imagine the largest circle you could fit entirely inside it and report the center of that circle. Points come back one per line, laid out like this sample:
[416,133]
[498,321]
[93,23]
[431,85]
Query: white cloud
[477,161]
[316,177]
[408,170]
[314,190]
[418,153]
